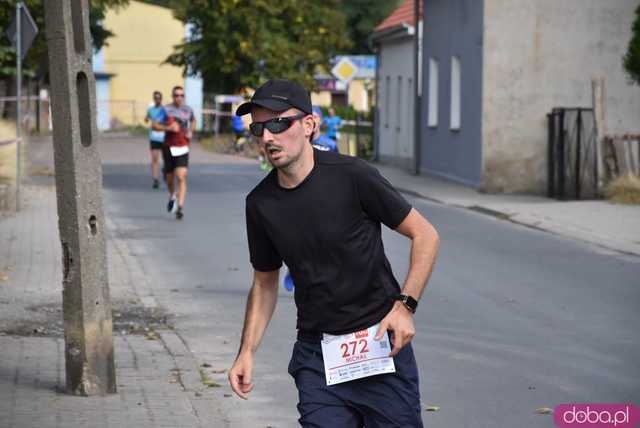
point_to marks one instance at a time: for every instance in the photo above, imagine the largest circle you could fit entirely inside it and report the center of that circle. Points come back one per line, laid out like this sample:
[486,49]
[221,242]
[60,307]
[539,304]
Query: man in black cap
[346,295]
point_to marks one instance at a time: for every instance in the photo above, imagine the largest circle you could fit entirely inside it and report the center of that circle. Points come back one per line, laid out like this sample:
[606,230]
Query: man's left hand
[399,321]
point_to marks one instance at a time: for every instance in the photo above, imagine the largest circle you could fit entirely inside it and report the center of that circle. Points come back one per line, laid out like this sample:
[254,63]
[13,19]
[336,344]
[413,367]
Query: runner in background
[319,140]
[333,123]
[155,113]
[239,130]
[179,126]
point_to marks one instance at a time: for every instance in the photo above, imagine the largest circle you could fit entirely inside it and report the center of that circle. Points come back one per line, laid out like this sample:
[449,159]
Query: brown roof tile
[402,15]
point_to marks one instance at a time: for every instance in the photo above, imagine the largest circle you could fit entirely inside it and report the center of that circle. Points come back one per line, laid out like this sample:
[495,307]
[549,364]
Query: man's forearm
[260,306]
[424,249]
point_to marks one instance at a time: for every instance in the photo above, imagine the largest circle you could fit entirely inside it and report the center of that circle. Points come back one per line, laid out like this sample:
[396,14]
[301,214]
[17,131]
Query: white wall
[540,54]
[193,85]
[396,105]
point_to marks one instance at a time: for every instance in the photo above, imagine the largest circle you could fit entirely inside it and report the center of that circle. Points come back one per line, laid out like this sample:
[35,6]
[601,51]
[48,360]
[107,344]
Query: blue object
[288,282]
[316,110]
[156,114]
[237,124]
[332,123]
[325,144]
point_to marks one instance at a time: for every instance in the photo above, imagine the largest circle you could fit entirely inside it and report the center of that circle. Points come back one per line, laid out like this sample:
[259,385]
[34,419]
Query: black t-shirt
[327,230]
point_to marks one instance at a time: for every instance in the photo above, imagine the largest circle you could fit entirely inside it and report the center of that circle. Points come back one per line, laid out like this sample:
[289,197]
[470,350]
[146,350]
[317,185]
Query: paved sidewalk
[159,381]
[610,226]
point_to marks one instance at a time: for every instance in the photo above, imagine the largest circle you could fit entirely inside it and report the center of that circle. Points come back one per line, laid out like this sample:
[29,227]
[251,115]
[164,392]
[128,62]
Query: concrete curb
[535,223]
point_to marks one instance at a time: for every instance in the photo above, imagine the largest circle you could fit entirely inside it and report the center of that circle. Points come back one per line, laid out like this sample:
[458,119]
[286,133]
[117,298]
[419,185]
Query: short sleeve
[263,255]
[163,116]
[379,199]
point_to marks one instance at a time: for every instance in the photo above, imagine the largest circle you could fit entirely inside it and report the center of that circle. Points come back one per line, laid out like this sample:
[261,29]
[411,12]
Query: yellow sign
[345,70]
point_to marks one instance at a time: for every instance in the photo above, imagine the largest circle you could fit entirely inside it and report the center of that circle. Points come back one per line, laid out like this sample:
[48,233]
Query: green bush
[631,60]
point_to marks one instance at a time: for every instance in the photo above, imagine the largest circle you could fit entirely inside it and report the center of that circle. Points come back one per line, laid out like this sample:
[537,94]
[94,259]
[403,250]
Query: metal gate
[572,154]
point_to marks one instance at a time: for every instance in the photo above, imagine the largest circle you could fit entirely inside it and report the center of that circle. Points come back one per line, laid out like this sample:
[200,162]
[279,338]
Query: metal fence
[34,111]
[572,154]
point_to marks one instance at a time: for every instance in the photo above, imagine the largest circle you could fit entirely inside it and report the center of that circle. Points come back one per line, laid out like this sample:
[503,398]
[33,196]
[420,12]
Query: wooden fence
[622,155]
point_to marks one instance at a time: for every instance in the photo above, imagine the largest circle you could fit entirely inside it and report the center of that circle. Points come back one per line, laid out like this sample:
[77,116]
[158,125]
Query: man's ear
[309,125]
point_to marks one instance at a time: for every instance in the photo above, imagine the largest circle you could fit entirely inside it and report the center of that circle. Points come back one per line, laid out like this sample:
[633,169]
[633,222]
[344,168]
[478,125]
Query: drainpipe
[417,107]
[416,85]
[376,110]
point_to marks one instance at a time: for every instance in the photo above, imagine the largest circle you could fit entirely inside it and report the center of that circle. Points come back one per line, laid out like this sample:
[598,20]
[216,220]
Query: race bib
[178,150]
[356,355]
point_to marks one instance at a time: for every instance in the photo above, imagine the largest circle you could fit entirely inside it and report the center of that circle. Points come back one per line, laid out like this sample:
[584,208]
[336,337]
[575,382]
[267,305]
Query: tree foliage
[631,60]
[36,59]
[362,17]
[242,43]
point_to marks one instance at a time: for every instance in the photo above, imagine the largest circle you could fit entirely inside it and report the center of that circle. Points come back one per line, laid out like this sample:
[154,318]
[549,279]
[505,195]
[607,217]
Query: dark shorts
[386,400]
[155,145]
[173,162]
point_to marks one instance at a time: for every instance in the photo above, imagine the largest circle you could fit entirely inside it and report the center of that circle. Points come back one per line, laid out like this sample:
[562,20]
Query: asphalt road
[513,319]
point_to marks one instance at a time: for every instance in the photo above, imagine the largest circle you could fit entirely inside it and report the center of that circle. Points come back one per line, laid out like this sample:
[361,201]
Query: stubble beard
[288,166]
[285,165]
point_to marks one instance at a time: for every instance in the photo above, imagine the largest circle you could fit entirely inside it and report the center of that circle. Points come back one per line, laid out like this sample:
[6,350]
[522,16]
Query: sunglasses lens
[279,126]
[275,126]
[256,129]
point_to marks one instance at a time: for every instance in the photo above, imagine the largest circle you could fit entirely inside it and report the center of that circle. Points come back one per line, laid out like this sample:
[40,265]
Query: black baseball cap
[278,95]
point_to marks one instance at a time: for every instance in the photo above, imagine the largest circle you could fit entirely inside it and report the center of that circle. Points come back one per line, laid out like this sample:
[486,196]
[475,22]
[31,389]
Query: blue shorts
[386,400]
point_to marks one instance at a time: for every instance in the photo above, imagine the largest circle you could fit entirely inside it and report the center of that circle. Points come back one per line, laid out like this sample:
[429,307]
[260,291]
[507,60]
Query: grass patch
[206,380]
[624,190]
[7,153]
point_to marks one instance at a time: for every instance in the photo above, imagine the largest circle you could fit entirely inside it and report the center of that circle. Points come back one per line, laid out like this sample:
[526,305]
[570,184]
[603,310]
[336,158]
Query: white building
[394,43]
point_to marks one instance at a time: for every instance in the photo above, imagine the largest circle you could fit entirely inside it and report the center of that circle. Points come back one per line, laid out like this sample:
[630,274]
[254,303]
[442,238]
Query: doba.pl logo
[596,415]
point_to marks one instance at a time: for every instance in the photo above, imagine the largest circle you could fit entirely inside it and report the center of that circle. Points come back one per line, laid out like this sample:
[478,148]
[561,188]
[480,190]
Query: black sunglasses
[275,125]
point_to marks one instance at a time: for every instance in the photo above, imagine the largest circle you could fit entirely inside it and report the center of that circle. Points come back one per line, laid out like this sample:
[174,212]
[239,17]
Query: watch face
[408,301]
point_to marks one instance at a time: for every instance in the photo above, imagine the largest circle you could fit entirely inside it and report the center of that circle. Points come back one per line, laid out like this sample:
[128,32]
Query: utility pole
[86,304]
[18,100]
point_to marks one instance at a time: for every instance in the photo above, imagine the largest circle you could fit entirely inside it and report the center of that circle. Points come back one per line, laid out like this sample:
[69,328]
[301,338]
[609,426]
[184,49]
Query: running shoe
[179,214]
[171,205]
[156,183]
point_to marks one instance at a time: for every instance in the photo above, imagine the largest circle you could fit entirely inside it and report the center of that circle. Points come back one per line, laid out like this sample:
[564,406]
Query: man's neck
[295,173]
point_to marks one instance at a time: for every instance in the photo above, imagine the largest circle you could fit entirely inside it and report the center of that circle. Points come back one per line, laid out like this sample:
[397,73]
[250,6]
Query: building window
[432,118]
[399,104]
[387,100]
[456,94]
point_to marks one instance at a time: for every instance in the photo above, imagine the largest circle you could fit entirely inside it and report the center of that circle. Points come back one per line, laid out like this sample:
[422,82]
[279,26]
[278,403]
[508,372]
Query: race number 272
[354,347]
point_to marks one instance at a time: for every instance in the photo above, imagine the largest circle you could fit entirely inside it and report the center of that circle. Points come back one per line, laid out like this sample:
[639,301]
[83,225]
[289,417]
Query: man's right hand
[240,375]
